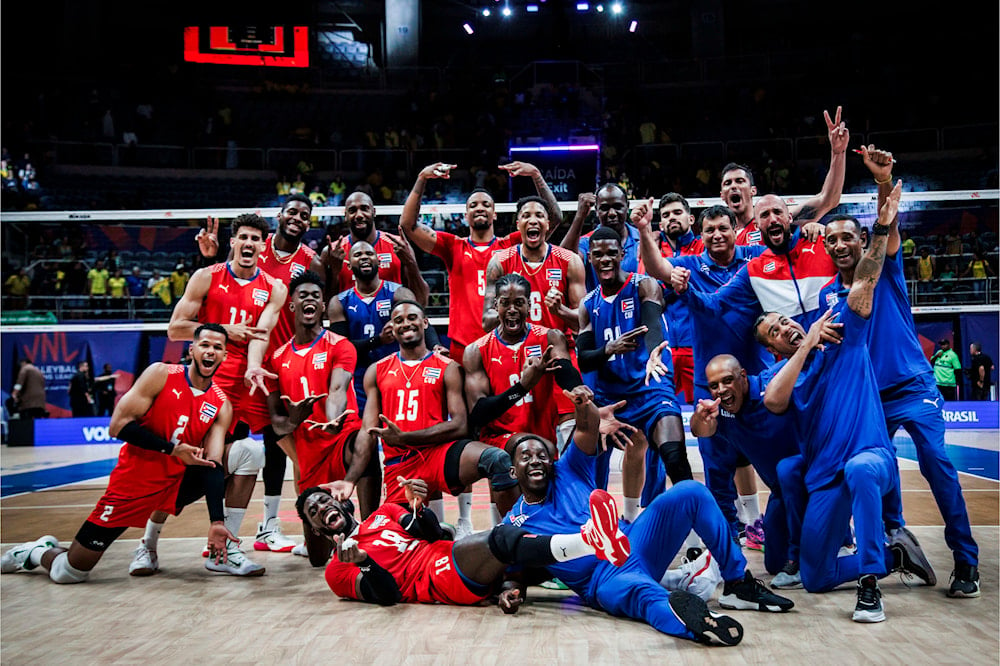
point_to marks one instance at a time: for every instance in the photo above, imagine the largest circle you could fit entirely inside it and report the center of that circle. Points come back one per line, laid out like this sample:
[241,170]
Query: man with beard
[362,314]
[677,239]
[416,406]
[466,258]
[620,336]
[905,379]
[284,257]
[399,555]
[712,335]
[320,412]
[249,302]
[173,422]
[396,261]
[738,189]
[847,463]
[552,492]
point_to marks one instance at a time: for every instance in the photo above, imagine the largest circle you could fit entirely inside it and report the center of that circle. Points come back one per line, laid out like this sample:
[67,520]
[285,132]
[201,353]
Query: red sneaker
[602,532]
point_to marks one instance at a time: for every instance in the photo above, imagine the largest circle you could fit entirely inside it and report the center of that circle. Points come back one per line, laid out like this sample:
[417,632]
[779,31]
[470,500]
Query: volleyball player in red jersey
[556,274]
[173,421]
[416,406]
[247,302]
[284,257]
[403,555]
[314,371]
[466,258]
[512,372]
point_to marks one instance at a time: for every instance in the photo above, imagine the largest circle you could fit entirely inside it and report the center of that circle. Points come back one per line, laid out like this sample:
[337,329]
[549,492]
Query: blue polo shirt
[838,409]
[762,436]
[630,254]
[710,333]
[896,353]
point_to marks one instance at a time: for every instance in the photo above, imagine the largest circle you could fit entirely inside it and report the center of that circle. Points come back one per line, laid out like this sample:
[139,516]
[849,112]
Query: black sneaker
[750,594]
[964,582]
[869,607]
[707,627]
[907,556]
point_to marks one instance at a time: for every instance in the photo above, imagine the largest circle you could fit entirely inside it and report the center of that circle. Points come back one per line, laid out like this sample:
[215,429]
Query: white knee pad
[246,457]
[63,573]
[564,433]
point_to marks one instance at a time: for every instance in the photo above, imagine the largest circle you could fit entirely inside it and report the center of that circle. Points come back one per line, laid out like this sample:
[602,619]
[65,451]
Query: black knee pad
[674,456]
[504,540]
[494,464]
[98,537]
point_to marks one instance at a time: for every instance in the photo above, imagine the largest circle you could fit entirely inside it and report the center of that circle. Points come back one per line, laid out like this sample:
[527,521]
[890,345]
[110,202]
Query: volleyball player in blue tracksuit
[556,492]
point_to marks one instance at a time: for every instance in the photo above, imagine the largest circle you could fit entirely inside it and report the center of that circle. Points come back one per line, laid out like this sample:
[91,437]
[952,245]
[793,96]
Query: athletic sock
[465,506]
[271,503]
[631,508]
[234,519]
[748,508]
[437,507]
[152,535]
[569,547]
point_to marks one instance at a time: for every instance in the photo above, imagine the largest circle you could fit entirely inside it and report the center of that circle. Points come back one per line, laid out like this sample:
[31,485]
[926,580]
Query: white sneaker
[236,564]
[144,561]
[463,528]
[16,559]
[270,537]
[300,550]
[701,576]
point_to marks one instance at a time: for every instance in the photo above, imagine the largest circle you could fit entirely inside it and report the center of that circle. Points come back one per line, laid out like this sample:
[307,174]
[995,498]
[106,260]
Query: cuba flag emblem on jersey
[553,275]
[296,270]
[207,412]
[431,375]
[383,307]
[260,297]
[533,350]
[628,307]
[319,360]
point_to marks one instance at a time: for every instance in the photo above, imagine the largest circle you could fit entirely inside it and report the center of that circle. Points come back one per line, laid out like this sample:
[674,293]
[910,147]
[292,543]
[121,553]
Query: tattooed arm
[868,270]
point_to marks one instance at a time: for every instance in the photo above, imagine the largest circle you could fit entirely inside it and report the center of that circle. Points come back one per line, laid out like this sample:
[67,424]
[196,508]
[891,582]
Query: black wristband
[140,436]
[880,230]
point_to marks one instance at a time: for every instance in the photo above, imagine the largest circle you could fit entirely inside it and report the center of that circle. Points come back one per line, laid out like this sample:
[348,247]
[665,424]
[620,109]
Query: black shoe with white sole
[750,594]
[708,627]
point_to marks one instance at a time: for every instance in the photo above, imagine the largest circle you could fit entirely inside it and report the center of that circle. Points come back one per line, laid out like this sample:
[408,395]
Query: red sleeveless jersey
[413,396]
[229,302]
[466,263]
[423,570]
[284,270]
[536,412]
[143,478]
[389,266]
[552,272]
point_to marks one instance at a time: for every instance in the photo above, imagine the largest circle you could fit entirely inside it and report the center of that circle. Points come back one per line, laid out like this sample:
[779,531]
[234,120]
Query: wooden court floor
[186,614]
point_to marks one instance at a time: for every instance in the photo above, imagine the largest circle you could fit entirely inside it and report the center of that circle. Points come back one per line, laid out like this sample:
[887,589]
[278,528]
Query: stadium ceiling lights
[617,8]
[633,26]
[468,28]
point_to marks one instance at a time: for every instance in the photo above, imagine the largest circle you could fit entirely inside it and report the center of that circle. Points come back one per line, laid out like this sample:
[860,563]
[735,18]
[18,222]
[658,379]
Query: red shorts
[251,409]
[142,482]
[424,463]
[444,585]
[321,455]
[684,373]
[497,439]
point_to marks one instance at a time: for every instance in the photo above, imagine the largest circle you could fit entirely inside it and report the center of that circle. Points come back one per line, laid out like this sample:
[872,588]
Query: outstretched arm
[585,203]
[656,264]
[422,235]
[816,207]
[869,269]
[541,187]
[879,163]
